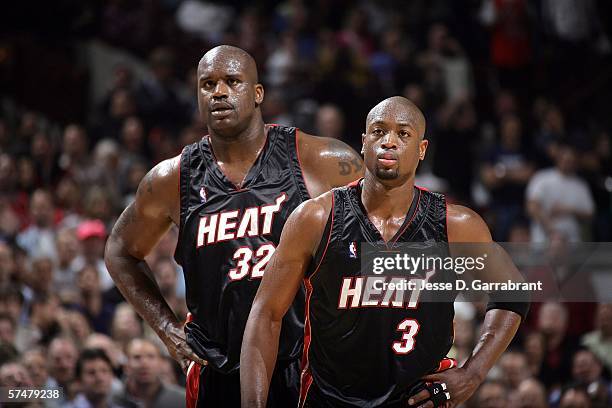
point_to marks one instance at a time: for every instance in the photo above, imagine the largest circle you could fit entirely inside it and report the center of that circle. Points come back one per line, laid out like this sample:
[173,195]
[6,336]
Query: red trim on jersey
[306,378]
[416,210]
[446,363]
[297,153]
[354,183]
[192,385]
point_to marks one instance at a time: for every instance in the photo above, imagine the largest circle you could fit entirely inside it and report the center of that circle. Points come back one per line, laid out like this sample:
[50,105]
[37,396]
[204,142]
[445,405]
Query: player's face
[393,144]
[227,94]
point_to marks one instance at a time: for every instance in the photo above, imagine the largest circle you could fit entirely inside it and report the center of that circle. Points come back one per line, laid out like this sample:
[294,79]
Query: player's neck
[386,201]
[241,146]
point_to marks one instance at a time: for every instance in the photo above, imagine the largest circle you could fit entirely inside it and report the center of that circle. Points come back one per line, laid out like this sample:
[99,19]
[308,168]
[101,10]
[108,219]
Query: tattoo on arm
[349,166]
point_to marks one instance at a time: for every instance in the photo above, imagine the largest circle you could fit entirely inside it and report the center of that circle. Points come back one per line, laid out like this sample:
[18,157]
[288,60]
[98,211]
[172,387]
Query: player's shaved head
[234,58]
[402,109]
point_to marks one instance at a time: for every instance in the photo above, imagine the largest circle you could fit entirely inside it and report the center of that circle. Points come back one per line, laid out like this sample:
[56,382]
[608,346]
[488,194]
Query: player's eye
[208,85]
[378,132]
[233,81]
[404,134]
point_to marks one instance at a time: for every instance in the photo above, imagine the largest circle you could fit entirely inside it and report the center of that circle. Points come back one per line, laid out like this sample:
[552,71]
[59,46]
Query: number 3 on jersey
[409,329]
[244,257]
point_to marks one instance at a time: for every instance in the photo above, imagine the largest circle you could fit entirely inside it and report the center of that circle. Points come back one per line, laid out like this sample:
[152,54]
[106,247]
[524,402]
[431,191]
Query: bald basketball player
[230,194]
[367,346]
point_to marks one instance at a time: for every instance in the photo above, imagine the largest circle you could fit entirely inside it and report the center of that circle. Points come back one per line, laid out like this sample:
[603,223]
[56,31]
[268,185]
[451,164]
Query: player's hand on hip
[453,387]
[177,346]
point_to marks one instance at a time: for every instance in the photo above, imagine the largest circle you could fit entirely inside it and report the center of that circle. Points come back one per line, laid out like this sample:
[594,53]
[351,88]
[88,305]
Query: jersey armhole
[184,186]
[325,240]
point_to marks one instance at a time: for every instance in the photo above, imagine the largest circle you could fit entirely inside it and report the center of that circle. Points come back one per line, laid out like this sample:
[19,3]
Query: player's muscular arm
[327,163]
[500,326]
[136,232]
[299,240]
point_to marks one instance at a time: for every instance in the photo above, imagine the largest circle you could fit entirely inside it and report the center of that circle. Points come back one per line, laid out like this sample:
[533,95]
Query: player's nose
[389,141]
[220,90]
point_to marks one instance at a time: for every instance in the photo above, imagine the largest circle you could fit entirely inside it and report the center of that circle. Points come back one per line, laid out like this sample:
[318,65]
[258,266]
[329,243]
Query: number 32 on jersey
[249,261]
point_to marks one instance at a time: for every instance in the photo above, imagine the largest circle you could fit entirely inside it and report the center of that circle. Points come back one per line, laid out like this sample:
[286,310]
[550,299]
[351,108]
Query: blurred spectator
[39,237]
[69,197]
[74,159]
[530,394]
[330,122]
[514,368]
[92,303]
[600,340]
[92,234]
[143,384]
[588,370]
[65,272]
[112,350]
[35,362]
[95,374]
[559,200]
[62,361]
[506,171]
[43,325]
[125,326]
[575,397]
[8,329]
[534,346]
[491,394]
[14,374]
[166,277]
[552,323]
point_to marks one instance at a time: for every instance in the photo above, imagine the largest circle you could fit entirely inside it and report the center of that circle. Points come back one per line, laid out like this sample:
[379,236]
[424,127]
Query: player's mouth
[221,110]
[387,159]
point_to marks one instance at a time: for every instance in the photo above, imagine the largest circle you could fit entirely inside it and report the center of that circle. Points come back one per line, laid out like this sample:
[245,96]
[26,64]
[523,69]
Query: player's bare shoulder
[158,192]
[308,220]
[328,163]
[465,225]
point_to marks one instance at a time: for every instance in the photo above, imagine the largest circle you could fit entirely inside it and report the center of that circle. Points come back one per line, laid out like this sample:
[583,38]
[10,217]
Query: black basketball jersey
[365,347]
[227,236]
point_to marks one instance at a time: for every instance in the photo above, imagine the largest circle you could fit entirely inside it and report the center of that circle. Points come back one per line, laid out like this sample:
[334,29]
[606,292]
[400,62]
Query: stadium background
[95,93]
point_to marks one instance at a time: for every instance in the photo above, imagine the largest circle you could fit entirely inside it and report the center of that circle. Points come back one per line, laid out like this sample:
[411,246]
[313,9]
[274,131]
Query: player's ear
[363,135]
[259,94]
[423,148]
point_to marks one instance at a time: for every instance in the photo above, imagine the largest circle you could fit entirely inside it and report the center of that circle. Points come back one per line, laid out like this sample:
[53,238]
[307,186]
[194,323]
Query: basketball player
[365,347]
[230,194]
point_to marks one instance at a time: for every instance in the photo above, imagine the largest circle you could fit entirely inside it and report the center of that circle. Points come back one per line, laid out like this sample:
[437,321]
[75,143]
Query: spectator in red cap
[92,234]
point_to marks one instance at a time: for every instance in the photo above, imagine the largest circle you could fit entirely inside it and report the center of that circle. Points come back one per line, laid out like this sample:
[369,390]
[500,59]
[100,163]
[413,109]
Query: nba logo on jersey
[203,194]
[353,249]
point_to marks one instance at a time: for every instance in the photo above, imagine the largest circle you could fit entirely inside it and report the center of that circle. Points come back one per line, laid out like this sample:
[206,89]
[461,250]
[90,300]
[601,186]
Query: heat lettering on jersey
[380,291]
[228,225]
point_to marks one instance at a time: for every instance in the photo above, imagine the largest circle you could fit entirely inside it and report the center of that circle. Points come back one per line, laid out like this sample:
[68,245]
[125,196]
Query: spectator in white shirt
[559,200]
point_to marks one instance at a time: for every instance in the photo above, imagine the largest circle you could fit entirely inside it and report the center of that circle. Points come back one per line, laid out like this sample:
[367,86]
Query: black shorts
[208,388]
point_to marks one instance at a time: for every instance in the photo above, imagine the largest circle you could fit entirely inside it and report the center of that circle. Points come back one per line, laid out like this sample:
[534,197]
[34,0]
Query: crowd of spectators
[516,96]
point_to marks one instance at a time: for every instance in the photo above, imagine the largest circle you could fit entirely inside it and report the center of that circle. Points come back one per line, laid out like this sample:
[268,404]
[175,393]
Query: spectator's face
[534,347]
[566,160]
[41,209]
[41,146]
[514,366]
[105,343]
[26,172]
[62,360]
[604,319]
[96,379]
[133,135]
[575,399]
[125,325]
[7,331]
[74,141]
[122,104]
[41,277]
[7,172]
[585,367]
[511,132]
[531,394]
[11,305]
[166,371]
[7,264]
[552,320]
[78,325]
[143,362]
[36,365]
[68,193]
[228,92]
[14,375]
[492,396]
[330,122]
[393,144]
[93,247]
[88,280]
[67,245]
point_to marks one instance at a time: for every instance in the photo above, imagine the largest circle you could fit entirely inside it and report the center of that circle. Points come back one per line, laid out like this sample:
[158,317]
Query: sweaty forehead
[227,62]
[397,113]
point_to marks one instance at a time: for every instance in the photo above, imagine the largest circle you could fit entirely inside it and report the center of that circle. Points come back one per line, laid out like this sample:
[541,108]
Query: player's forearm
[499,328]
[258,357]
[134,279]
